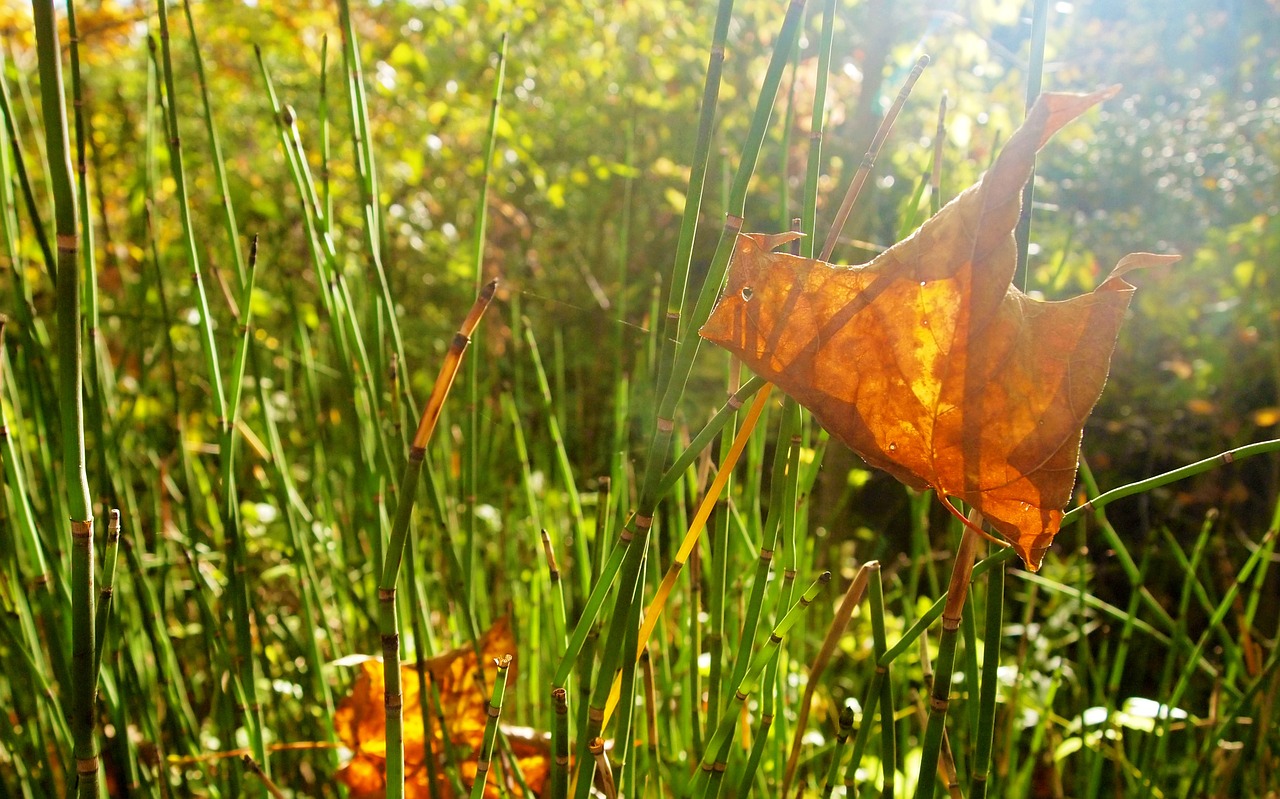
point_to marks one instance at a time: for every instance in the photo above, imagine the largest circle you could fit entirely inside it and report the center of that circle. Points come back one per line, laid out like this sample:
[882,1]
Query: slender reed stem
[107,589]
[673,328]
[940,696]
[491,726]
[654,611]
[478,238]
[750,682]
[843,731]
[560,745]
[388,623]
[839,622]
[1035,75]
[71,404]
[992,634]
[230,225]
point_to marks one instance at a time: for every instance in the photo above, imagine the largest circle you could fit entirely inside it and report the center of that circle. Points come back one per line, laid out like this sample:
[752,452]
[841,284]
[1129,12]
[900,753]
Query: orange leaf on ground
[927,362]
[360,723]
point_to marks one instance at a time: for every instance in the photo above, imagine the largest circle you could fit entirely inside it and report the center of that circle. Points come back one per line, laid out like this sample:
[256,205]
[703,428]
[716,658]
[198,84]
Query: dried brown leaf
[927,362]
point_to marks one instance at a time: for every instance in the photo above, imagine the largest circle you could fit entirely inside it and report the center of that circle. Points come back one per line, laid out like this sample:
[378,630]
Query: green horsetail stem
[348,340]
[879,693]
[560,745]
[1035,78]
[817,126]
[615,646]
[96,388]
[625,740]
[388,623]
[940,696]
[687,546]
[234,542]
[84,681]
[491,726]
[471,463]
[759,743]
[992,634]
[970,665]
[23,518]
[765,556]
[718,592]
[190,248]
[215,153]
[689,218]
[24,182]
[839,623]
[843,731]
[367,174]
[708,433]
[1232,719]
[107,589]
[888,730]
[557,592]
[749,684]
[751,621]
[687,348]
[363,141]
[1259,556]
[563,463]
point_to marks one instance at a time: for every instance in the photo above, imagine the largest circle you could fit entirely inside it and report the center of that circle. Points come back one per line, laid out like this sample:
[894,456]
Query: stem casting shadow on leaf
[927,362]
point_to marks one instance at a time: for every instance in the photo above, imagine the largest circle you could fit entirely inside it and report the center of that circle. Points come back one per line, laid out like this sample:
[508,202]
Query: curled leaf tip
[1142,260]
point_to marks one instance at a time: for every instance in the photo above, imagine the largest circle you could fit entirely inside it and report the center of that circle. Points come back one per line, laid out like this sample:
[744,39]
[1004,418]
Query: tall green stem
[750,682]
[940,696]
[388,622]
[215,153]
[1035,73]
[479,228]
[979,779]
[71,402]
[491,726]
